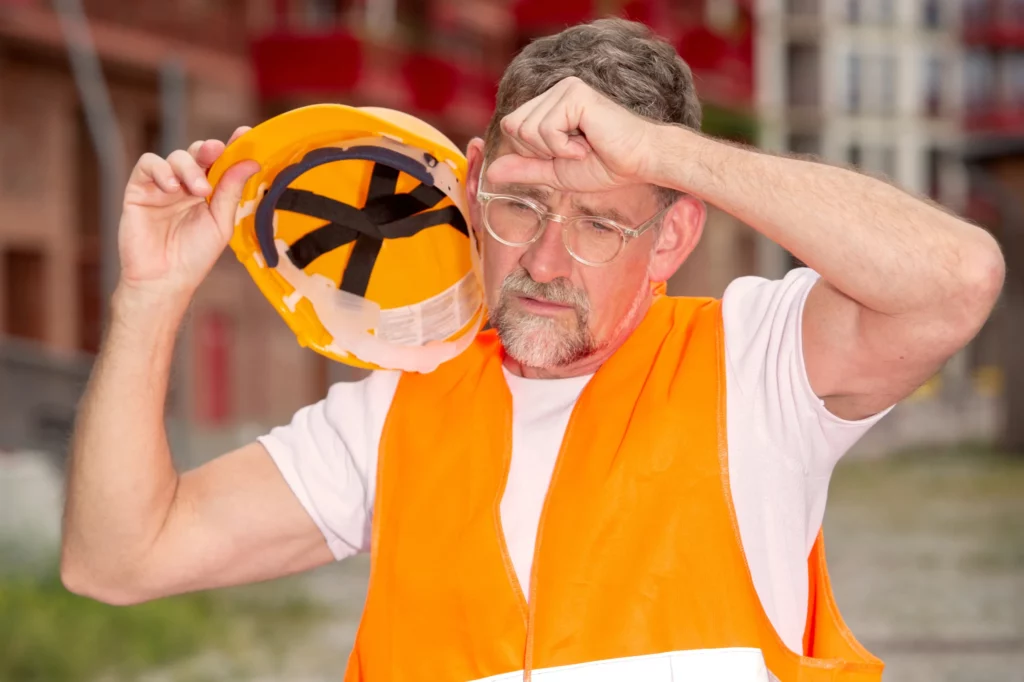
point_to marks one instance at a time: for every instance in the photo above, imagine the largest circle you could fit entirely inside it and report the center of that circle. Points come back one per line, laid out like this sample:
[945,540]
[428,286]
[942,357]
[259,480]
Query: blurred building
[175,71]
[993,121]
[875,84]
[239,62]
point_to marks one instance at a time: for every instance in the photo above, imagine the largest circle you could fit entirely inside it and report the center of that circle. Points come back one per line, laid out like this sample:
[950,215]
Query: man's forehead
[619,205]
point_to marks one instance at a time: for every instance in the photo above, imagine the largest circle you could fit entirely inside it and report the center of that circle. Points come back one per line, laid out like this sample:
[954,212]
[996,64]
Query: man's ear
[680,231]
[475,159]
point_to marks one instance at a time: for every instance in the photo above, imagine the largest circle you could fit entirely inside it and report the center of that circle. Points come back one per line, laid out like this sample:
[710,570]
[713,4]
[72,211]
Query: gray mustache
[557,291]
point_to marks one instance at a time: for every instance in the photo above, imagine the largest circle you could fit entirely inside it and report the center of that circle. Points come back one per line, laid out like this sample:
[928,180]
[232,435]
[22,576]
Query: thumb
[228,194]
[513,168]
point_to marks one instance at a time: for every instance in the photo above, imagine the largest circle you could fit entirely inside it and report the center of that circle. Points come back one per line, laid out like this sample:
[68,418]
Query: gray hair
[623,60]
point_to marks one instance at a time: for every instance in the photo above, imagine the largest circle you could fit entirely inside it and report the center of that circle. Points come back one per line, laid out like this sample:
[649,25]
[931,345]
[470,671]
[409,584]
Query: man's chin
[540,348]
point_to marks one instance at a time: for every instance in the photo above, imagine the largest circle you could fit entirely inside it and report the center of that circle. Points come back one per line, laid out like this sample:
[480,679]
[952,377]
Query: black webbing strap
[385,215]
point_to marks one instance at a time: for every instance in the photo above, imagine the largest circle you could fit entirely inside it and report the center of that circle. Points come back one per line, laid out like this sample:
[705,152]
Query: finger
[512,122]
[514,127]
[191,176]
[515,120]
[208,153]
[152,168]
[193,148]
[241,130]
[529,132]
[522,149]
[225,200]
[559,128]
[514,168]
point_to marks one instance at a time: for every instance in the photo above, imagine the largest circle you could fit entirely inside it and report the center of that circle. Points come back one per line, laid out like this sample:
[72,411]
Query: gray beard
[535,340]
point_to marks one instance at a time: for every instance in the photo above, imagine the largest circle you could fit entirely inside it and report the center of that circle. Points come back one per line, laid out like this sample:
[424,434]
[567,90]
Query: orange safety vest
[638,550]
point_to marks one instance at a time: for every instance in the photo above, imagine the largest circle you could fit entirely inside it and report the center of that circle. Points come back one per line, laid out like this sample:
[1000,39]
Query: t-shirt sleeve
[328,456]
[763,322]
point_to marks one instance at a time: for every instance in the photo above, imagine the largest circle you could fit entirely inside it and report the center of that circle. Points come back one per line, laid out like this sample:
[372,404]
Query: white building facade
[875,84]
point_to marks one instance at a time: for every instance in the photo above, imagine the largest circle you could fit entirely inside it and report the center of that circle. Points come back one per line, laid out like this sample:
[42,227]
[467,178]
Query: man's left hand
[573,138]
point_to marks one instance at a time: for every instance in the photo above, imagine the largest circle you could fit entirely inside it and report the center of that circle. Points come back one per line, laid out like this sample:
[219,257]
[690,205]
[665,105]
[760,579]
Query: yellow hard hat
[356,229]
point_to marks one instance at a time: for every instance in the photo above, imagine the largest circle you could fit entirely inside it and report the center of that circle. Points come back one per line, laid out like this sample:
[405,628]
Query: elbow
[981,277]
[984,276]
[83,581]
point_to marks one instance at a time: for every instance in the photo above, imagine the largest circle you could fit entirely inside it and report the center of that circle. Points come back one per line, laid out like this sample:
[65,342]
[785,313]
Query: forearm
[890,252]
[122,479]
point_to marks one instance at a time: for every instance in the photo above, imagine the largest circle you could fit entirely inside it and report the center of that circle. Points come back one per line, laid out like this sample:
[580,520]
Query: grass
[50,635]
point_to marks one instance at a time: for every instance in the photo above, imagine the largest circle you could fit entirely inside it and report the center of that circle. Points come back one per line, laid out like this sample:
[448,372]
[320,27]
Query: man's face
[551,310]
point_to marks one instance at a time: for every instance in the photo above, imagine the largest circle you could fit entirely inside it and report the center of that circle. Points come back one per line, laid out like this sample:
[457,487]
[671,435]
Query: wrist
[680,159]
[153,309]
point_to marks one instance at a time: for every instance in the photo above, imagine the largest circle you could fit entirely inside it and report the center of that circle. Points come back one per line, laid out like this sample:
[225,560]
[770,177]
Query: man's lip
[542,303]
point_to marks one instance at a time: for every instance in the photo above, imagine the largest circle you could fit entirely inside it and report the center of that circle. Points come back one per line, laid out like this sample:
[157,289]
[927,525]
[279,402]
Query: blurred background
[926,515]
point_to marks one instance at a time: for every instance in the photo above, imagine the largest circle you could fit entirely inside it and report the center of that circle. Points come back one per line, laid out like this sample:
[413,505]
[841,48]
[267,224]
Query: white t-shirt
[783,445]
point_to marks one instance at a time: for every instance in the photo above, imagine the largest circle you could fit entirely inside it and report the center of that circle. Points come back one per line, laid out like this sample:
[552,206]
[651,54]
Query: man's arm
[134,529]
[904,283]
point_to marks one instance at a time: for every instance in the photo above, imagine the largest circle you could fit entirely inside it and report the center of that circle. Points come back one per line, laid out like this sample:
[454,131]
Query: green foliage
[730,124]
[50,635]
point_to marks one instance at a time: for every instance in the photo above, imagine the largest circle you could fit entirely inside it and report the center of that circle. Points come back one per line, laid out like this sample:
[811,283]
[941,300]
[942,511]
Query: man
[616,473]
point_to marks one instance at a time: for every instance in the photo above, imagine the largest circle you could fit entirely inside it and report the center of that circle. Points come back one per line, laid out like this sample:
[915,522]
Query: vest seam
[837,617]
[506,558]
[726,485]
[375,526]
[800,660]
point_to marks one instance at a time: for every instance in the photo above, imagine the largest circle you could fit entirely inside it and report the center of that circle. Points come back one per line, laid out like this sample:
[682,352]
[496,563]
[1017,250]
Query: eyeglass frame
[546,216]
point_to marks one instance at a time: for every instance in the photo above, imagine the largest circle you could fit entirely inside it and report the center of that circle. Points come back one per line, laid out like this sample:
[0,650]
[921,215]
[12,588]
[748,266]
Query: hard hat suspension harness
[385,215]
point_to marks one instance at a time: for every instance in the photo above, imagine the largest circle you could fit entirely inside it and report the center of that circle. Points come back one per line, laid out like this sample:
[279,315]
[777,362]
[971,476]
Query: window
[853,11]
[801,8]
[855,155]
[802,75]
[975,11]
[1014,78]
[90,305]
[887,12]
[22,140]
[889,75]
[215,336]
[804,143]
[1014,10]
[889,162]
[87,193]
[24,290]
[320,13]
[933,85]
[979,79]
[933,171]
[853,83]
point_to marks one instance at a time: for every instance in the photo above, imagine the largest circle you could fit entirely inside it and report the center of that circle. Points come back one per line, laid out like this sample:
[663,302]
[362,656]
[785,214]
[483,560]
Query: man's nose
[547,258]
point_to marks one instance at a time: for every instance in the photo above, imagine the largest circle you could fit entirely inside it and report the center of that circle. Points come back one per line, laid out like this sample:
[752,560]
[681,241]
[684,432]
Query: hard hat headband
[319,157]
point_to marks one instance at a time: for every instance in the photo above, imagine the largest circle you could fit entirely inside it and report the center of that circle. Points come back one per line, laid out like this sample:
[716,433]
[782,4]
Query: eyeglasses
[591,240]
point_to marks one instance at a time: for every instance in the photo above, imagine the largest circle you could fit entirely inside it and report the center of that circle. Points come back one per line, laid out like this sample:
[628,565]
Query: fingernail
[201,185]
[174,184]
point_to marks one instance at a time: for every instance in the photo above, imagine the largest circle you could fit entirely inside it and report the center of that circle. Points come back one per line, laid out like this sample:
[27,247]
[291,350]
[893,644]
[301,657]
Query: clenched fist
[575,139]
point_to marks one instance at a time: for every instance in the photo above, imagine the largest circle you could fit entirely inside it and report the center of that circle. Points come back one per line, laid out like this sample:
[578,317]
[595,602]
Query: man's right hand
[170,236]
